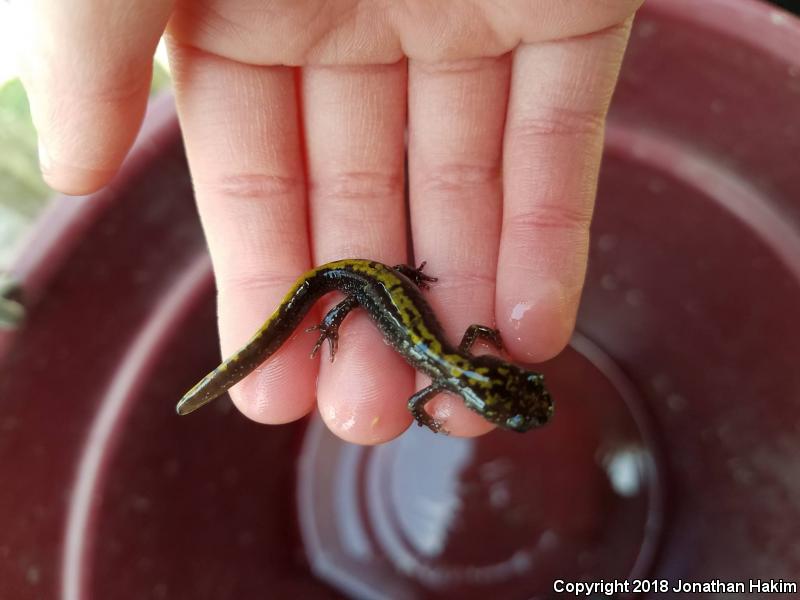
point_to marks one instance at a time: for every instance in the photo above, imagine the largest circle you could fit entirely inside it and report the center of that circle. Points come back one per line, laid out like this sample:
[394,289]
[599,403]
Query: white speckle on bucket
[625,470]
[606,242]
[634,297]
[656,185]
[548,540]
[676,402]
[608,282]
[645,29]
[499,495]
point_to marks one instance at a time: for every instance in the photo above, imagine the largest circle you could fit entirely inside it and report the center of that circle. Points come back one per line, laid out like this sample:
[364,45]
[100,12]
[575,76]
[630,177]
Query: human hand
[294,115]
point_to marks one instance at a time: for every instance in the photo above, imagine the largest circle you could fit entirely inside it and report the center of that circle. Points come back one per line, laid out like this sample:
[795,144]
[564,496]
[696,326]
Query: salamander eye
[517,423]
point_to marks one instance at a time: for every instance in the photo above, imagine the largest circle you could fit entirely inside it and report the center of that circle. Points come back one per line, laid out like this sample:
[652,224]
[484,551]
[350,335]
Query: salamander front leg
[416,404]
[416,275]
[473,332]
[329,328]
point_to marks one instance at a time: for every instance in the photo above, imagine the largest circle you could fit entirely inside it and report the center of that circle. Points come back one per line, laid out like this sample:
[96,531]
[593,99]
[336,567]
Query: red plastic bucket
[675,448]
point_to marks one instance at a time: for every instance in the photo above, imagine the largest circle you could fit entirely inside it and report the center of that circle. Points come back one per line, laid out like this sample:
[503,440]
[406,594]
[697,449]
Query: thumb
[86,66]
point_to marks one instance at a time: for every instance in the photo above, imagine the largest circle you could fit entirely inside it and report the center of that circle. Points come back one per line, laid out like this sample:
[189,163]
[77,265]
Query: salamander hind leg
[473,332]
[416,275]
[329,327]
[416,404]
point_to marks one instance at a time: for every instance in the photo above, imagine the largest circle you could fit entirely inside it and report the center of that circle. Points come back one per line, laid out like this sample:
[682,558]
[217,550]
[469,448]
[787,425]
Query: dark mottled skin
[500,391]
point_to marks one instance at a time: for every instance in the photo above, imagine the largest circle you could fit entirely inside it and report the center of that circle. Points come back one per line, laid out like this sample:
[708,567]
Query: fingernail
[545,295]
[537,320]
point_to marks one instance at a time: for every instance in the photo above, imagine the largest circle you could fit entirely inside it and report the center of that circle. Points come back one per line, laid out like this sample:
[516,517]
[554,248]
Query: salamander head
[508,396]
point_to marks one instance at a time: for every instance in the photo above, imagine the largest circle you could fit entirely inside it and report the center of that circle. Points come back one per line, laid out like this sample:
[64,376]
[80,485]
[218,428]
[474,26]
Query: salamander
[503,393]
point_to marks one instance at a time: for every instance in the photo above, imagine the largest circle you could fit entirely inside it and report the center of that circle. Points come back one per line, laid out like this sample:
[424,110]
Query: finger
[86,67]
[354,121]
[559,97]
[456,116]
[240,125]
